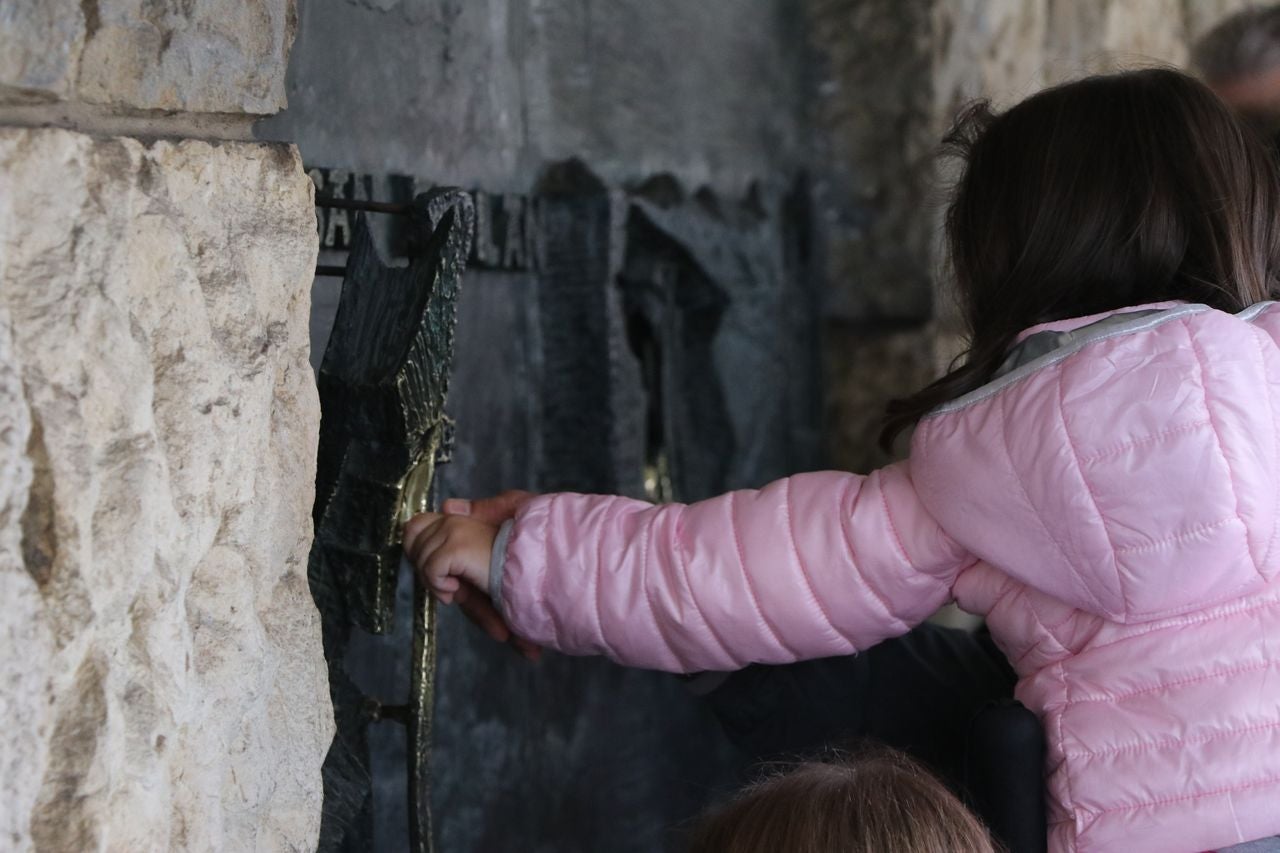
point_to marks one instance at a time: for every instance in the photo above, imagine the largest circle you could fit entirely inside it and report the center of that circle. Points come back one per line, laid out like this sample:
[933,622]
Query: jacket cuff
[519,586]
[498,561]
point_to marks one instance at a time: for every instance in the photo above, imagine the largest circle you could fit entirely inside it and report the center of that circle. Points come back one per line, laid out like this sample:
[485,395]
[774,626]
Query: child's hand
[474,602]
[449,549]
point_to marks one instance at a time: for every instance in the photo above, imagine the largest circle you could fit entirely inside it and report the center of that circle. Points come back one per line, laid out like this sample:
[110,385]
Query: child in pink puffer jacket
[1100,480]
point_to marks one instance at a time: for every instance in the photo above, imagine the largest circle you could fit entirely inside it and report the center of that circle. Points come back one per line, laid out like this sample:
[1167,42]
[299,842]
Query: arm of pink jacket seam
[810,566]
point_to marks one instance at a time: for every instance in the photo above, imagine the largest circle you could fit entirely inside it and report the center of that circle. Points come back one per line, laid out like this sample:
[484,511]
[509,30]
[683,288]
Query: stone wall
[162,678]
[1008,49]
[136,55]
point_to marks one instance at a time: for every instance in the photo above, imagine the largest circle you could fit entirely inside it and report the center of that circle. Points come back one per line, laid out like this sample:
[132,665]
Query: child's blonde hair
[879,803]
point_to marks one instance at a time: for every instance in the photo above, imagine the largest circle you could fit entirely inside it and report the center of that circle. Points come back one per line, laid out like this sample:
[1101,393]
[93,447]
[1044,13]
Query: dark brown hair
[880,802]
[1096,195]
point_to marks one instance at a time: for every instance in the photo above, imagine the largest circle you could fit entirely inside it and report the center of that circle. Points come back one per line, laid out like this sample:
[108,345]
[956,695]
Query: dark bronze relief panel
[639,340]
[383,384]
[722,321]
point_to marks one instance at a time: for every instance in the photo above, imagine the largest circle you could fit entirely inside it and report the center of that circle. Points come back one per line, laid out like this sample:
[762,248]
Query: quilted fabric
[1110,507]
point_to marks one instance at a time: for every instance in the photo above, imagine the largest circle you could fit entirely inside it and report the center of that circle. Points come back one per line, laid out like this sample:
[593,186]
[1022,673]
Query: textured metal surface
[586,428]
[721,317]
[383,385]
[656,323]
[422,691]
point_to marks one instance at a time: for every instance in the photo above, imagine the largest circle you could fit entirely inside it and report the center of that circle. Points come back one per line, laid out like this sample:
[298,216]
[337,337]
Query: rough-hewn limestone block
[214,56]
[201,56]
[25,641]
[865,371]
[875,113]
[162,681]
[39,43]
[987,48]
[1199,17]
[1106,34]
[1007,49]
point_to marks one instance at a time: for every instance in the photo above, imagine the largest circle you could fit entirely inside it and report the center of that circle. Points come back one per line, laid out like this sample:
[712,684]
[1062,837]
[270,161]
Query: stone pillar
[874,113]
[161,679]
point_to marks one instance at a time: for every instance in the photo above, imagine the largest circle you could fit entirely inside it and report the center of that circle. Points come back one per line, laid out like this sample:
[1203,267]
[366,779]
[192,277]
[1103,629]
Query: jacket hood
[1125,464]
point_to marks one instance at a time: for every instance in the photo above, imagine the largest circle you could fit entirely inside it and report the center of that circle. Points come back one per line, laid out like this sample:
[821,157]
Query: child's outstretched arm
[811,566]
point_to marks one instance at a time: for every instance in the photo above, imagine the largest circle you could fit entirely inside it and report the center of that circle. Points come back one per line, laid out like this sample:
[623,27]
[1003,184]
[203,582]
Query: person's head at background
[878,803]
[1240,60]
[1102,194]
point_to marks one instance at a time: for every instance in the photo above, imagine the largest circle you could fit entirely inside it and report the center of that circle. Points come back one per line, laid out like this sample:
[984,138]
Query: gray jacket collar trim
[1045,349]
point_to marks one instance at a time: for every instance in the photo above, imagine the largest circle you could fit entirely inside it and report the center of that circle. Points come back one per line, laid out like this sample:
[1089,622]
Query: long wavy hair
[1100,194]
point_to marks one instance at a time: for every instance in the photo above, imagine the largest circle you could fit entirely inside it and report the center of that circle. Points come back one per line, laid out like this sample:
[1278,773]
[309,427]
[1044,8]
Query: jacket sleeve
[810,566]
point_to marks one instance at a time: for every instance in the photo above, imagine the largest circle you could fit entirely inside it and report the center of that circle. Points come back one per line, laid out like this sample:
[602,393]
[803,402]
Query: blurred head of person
[877,803]
[1240,60]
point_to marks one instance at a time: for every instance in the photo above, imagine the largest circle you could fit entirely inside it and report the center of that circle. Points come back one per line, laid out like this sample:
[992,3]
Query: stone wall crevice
[65,813]
[39,535]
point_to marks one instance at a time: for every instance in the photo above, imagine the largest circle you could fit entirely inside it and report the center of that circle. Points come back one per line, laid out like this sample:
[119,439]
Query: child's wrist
[497,560]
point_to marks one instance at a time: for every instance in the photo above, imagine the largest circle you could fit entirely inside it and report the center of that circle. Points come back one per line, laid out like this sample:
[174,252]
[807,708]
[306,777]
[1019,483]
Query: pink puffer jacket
[1110,507]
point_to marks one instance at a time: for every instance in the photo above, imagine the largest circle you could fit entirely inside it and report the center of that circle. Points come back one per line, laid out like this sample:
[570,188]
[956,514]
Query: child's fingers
[456,506]
[436,569]
[439,562]
[428,542]
[529,651]
[414,528]
[444,590]
[445,550]
[433,563]
[480,610]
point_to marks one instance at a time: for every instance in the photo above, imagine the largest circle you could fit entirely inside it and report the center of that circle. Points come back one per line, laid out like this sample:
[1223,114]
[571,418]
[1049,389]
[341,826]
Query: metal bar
[399,208]
[395,208]
[356,557]
[422,694]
